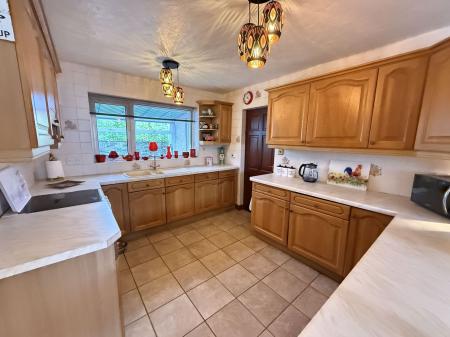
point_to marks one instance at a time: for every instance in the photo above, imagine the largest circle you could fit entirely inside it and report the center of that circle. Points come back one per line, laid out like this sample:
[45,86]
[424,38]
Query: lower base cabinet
[206,196]
[147,209]
[180,202]
[227,191]
[270,216]
[319,237]
[365,228]
[118,198]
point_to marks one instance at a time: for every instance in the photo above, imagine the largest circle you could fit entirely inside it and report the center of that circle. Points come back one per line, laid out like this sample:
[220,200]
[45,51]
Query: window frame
[129,116]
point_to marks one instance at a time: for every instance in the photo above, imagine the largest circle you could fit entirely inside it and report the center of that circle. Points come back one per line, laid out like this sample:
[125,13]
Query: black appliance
[309,172]
[432,192]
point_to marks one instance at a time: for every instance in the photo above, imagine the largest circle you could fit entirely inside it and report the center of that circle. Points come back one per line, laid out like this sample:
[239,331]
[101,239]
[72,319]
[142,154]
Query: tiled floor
[213,278]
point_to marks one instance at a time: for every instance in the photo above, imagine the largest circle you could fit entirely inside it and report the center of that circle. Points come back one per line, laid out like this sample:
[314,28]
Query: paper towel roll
[54,169]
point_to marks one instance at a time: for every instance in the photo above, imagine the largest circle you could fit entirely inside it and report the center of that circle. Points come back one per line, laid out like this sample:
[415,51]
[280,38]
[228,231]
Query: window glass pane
[112,134]
[113,109]
[162,112]
[176,134]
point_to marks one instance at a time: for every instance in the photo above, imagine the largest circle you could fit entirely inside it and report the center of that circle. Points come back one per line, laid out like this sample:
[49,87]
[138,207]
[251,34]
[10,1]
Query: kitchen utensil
[309,172]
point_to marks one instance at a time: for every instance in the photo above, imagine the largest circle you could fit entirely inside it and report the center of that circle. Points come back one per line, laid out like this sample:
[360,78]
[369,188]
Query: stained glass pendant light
[178,97]
[242,37]
[273,20]
[257,46]
[166,78]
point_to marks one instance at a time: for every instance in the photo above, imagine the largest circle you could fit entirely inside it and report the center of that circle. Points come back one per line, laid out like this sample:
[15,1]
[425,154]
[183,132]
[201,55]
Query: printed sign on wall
[6,28]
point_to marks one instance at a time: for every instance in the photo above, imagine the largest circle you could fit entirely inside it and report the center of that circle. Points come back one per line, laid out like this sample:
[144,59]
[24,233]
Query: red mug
[175,154]
[100,158]
[193,153]
[137,155]
[186,154]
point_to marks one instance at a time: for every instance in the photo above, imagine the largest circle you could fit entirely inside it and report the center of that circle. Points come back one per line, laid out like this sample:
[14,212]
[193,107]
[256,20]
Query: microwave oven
[432,192]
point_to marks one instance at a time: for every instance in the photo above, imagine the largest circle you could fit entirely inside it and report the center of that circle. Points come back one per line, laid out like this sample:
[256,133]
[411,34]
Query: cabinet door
[287,115]
[365,227]
[147,209]
[319,237]
[433,133]
[225,123]
[270,217]
[50,90]
[206,196]
[227,191]
[29,46]
[180,202]
[397,104]
[118,198]
[340,110]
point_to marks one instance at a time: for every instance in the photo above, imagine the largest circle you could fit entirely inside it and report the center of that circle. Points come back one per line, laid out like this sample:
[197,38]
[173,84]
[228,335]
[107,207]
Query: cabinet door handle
[445,200]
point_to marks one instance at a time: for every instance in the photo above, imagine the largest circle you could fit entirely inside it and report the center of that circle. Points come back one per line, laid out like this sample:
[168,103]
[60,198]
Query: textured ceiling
[134,36]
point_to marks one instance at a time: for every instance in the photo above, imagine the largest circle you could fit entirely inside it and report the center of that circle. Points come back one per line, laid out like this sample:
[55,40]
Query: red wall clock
[248,97]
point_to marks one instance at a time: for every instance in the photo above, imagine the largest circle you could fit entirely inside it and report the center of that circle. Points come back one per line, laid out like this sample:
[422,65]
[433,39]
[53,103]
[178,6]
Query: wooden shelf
[208,130]
[212,116]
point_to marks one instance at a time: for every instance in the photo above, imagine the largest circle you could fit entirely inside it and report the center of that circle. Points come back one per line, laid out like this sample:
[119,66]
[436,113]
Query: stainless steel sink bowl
[143,173]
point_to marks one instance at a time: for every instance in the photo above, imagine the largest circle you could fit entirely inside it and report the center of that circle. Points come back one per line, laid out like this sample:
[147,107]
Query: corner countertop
[31,241]
[401,286]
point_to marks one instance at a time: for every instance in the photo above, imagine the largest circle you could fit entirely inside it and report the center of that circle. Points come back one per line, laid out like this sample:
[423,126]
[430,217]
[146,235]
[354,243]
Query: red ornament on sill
[153,146]
[169,153]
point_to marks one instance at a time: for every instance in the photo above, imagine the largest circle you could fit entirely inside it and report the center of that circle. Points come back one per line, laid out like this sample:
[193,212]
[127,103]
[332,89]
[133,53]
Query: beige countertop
[31,241]
[401,286]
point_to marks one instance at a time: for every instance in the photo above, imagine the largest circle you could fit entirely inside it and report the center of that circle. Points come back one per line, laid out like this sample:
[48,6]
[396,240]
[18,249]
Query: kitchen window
[125,125]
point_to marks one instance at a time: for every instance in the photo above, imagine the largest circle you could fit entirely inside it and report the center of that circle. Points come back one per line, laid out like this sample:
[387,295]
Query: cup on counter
[279,171]
[284,171]
[291,172]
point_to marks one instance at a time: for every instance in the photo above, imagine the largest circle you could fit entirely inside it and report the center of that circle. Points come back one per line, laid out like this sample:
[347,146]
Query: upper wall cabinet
[433,133]
[29,117]
[397,104]
[215,122]
[340,110]
[225,117]
[287,115]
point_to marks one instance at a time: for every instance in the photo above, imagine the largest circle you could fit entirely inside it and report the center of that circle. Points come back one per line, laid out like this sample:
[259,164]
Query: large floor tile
[254,243]
[237,279]
[238,251]
[149,271]
[190,237]
[208,230]
[159,292]
[140,328]
[289,324]
[140,255]
[217,262]
[202,330]
[192,275]
[178,258]
[266,333]
[235,320]
[181,229]
[176,318]
[202,248]
[167,246]
[258,265]
[285,284]
[222,239]
[275,255]
[132,307]
[310,301]
[159,236]
[126,281]
[325,285]
[209,297]
[121,263]
[137,243]
[263,302]
[239,232]
[300,270]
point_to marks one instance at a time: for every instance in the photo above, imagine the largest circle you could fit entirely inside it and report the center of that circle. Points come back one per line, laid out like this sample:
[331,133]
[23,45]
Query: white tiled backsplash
[76,81]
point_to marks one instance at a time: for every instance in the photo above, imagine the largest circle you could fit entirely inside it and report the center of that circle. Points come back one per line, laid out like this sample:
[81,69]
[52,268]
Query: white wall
[74,84]
[397,177]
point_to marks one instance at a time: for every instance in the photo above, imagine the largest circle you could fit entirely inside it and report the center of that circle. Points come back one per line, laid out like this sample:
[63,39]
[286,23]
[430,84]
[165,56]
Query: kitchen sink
[143,173]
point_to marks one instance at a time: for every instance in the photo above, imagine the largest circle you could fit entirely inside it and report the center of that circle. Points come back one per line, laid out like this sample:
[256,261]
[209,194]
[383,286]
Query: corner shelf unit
[217,116]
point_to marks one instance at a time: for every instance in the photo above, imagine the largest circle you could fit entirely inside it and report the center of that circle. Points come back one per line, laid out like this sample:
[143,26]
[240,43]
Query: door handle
[445,201]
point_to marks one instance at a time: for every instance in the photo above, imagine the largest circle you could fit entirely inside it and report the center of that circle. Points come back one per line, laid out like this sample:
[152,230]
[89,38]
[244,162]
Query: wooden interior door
[397,104]
[258,157]
[340,110]
[433,133]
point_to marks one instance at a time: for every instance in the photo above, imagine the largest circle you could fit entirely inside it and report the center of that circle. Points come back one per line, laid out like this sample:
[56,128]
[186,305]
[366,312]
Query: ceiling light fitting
[166,78]
[254,40]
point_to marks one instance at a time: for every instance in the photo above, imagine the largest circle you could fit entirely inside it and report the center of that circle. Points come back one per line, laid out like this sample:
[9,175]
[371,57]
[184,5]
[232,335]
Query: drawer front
[276,192]
[206,176]
[145,185]
[228,173]
[179,180]
[323,206]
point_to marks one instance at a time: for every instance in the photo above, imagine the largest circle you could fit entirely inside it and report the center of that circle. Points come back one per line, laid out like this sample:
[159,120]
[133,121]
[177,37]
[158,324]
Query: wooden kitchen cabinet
[180,202]
[397,104]
[270,216]
[227,191]
[318,237]
[118,197]
[225,118]
[364,229]
[147,208]
[206,196]
[28,92]
[433,133]
[287,115]
[340,110]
